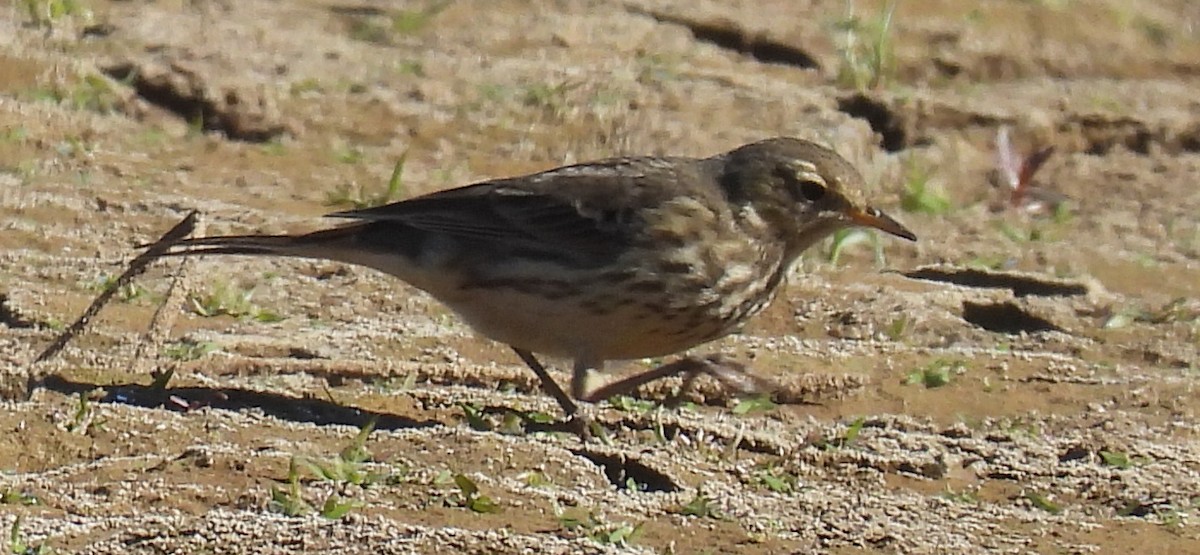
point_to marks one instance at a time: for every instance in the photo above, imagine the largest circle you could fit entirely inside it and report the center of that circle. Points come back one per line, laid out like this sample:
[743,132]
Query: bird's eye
[812,191]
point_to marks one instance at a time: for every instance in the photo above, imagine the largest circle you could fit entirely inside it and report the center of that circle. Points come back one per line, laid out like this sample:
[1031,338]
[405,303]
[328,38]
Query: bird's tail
[326,243]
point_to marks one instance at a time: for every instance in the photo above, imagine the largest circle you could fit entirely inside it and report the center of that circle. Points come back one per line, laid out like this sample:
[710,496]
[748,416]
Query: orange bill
[871,217]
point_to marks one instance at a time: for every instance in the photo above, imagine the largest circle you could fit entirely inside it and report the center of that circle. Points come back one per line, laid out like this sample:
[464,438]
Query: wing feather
[588,209]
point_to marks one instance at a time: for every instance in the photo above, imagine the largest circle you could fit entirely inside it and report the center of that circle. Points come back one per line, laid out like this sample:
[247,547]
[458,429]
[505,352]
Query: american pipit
[618,259]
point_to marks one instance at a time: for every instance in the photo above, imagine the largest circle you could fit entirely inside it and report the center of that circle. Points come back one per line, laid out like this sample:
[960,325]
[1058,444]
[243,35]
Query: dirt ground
[1015,382]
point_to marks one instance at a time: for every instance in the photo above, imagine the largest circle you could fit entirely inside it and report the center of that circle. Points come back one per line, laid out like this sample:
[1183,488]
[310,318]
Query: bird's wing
[587,209]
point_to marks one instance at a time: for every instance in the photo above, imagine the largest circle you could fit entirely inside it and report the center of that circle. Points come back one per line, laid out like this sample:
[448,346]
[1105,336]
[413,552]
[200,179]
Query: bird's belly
[593,331]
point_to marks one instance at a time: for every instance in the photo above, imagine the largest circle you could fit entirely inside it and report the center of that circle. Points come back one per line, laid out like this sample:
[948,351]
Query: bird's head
[801,191]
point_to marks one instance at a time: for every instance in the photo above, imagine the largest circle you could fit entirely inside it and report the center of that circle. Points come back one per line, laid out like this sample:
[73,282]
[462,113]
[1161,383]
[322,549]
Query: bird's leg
[730,373]
[568,406]
[581,376]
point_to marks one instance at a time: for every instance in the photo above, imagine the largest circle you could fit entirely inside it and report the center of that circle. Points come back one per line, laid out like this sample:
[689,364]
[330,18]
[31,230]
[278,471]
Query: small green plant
[84,419]
[599,531]
[91,92]
[898,327]
[334,507]
[48,13]
[1178,310]
[476,418]
[378,30]
[17,544]
[761,403]
[75,146]
[701,506]
[348,154]
[407,22]
[866,59]
[625,403]
[550,99]
[410,67]
[846,439]
[920,194]
[776,479]
[299,88]
[188,349]
[536,479]
[1117,459]
[348,467]
[16,134]
[273,147]
[517,422]
[657,68]
[358,197]
[395,384]
[290,501]
[18,497]
[1043,502]
[935,374]
[469,496]
[966,496]
[226,299]
[127,293]
[852,431]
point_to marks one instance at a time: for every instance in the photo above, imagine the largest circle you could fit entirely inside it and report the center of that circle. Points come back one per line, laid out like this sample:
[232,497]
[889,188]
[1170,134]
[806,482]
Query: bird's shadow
[182,399]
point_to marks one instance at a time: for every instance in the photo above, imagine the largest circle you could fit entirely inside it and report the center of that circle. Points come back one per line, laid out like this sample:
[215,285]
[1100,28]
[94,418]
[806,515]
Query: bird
[622,258]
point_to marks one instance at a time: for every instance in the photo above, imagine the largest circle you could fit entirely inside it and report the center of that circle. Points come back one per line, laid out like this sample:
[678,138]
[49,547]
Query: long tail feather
[310,245]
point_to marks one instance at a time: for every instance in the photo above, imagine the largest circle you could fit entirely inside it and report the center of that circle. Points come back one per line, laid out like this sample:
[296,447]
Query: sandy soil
[1015,382]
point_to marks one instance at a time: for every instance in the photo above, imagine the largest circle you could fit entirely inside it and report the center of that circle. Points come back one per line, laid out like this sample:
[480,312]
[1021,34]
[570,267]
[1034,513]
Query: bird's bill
[871,217]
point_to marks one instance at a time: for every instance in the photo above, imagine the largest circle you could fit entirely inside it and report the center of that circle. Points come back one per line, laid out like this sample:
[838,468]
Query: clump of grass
[845,439]
[898,327]
[1178,310]
[18,497]
[358,197]
[85,420]
[127,293]
[17,544]
[921,194]
[408,22]
[535,479]
[867,60]
[348,154]
[384,30]
[598,530]
[935,374]
[966,496]
[91,92]
[701,506]
[226,299]
[773,478]
[48,13]
[1118,459]
[757,404]
[469,496]
[347,468]
[188,349]
[304,86]
[290,501]
[551,99]
[1043,502]
[625,403]
[514,422]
